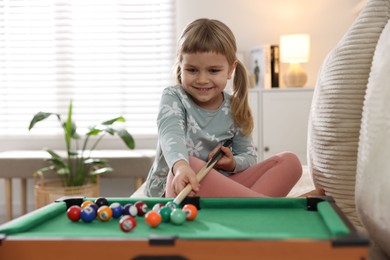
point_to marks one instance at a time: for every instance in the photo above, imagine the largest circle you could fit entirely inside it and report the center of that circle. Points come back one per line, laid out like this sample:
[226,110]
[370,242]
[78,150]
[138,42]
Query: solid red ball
[191,211]
[74,213]
[153,218]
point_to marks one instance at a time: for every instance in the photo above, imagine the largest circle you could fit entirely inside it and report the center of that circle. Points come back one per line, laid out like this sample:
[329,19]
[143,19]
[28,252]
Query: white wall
[263,21]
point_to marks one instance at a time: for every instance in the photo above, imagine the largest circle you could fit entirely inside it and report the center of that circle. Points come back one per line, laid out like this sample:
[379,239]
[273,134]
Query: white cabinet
[281,120]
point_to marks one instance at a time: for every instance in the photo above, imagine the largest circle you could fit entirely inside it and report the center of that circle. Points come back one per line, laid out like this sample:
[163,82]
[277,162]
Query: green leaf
[53,154]
[58,163]
[72,130]
[111,121]
[47,169]
[73,153]
[101,170]
[126,137]
[56,160]
[93,161]
[94,131]
[63,171]
[69,128]
[75,135]
[41,116]
[110,130]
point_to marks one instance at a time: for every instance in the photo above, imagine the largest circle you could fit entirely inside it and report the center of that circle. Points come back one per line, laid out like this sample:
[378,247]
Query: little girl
[197,116]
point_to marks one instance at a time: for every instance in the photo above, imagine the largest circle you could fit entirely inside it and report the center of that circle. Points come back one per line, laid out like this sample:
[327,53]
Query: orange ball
[86,203]
[191,211]
[153,218]
[104,213]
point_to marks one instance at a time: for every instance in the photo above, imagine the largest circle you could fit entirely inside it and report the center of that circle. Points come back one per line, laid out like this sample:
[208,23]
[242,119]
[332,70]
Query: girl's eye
[191,70]
[214,70]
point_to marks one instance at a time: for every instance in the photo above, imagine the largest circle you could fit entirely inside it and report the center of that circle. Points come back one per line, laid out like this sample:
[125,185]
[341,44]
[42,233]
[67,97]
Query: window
[111,57]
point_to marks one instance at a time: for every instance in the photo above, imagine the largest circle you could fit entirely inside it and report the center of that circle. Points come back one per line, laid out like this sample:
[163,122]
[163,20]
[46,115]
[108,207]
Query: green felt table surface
[219,218]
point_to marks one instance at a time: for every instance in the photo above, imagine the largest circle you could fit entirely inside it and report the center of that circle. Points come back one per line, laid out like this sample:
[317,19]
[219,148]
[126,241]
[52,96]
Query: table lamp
[295,49]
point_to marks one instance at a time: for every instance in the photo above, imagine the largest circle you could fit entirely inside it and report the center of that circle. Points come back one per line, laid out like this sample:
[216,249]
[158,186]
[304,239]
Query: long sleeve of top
[185,129]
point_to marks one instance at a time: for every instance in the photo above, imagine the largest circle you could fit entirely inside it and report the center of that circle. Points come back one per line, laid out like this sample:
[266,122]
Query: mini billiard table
[225,228]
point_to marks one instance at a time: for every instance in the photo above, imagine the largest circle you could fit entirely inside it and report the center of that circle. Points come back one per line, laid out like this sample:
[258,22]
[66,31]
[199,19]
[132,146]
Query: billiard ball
[153,218]
[157,206]
[74,213]
[88,214]
[172,205]
[104,213]
[101,202]
[86,203]
[129,209]
[127,223]
[142,208]
[178,216]
[94,206]
[116,209]
[191,211]
[165,213]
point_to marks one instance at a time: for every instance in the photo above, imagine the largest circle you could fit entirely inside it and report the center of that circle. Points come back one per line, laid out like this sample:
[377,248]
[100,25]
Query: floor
[305,184]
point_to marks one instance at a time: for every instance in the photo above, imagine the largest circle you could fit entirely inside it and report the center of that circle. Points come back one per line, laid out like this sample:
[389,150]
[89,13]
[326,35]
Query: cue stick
[202,172]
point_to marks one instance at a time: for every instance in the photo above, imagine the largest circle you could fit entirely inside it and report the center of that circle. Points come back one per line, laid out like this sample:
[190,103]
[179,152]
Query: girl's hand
[184,175]
[227,161]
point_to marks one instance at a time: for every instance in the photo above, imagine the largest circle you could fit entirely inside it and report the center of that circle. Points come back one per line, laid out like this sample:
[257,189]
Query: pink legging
[274,177]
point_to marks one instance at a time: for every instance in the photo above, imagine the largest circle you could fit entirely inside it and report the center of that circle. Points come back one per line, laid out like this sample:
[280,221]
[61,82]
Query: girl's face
[204,76]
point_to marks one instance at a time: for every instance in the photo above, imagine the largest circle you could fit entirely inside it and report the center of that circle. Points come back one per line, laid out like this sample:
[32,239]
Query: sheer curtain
[111,57]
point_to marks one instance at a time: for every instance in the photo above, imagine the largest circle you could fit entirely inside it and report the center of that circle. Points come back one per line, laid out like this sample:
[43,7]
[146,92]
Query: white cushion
[373,168]
[335,116]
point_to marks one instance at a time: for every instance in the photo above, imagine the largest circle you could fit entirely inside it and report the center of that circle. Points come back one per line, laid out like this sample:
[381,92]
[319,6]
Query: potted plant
[77,169]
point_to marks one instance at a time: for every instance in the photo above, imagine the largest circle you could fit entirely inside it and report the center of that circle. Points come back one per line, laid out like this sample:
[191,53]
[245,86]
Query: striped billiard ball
[142,208]
[116,209]
[127,223]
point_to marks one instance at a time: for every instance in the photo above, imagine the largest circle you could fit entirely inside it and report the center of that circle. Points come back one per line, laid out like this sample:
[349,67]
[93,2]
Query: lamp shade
[294,48]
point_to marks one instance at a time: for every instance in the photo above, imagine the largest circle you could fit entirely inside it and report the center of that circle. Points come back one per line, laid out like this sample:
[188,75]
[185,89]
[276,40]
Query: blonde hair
[206,35]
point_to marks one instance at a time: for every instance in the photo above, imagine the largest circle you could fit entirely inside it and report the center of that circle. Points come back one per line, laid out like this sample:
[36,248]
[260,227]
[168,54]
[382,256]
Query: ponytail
[241,113]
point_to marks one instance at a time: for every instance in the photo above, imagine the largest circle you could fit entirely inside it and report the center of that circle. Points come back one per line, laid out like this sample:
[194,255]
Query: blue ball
[88,214]
[116,209]
[94,206]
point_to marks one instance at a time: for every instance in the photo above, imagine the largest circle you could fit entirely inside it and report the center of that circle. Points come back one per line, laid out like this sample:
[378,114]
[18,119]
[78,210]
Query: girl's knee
[291,157]
[293,162]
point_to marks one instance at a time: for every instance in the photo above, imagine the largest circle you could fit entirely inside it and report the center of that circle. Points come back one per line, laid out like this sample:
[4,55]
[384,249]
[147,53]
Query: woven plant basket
[47,191]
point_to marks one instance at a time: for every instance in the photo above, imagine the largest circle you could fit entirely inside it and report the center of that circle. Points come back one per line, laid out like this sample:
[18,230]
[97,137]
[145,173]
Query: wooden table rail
[22,164]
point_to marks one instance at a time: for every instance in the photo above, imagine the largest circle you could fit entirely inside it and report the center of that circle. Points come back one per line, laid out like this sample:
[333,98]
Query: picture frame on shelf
[260,65]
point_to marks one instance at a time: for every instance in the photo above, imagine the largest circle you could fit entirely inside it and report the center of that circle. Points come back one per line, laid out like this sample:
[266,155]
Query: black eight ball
[101,202]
